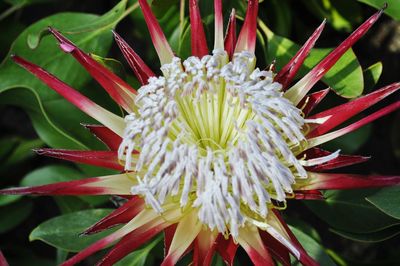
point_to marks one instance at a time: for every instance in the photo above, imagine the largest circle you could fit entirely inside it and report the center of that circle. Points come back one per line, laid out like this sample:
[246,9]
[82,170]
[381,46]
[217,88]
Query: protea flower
[211,151]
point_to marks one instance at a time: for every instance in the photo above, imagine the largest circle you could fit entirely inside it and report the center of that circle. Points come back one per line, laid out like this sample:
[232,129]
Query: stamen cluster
[215,135]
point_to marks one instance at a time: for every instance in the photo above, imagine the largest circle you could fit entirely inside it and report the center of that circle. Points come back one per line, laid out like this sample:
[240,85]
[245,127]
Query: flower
[211,150]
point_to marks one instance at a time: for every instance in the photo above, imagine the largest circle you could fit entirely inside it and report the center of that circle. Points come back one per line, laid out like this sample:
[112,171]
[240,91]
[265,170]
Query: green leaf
[348,211]
[313,248]
[340,14]
[345,77]
[371,237]
[59,173]
[140,257]
[14,214]
[387,200]
[372,75]
[8,199]
[392,10]
[63,231]
[56,121]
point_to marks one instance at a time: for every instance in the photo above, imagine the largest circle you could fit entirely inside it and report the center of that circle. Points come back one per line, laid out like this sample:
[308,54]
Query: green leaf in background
[340,14]
[349,211]
[14,214]
[372,75]
[140,257]
[15,150]
[63,231]
[387,200]
[8,199]
[393,9]
[59,173]
[378,236]
[345,77]
[56,121]
[313,248]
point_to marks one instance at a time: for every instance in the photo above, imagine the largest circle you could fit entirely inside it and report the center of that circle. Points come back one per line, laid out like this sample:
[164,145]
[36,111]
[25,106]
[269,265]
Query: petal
[3,261]
[199,42]
[226,248]
[249,238]
[105,135]
[219,25]
[302,255]
[278,251]
[286,75]
[131,242]
[248,34]
[204,247]
[98,245]
[345,181]
[308,195]
[147,216]
[139,67]
[118,89]
[106,159]
[105,185]
[186,232]
[169,233]
[122,215]
[340,161]
[312,100]
[339,114]
[110,120]
[230,37]
[160,42]
[312,142]
[301,88]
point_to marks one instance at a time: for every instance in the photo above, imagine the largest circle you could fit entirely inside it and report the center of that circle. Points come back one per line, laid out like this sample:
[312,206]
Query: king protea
[210,151]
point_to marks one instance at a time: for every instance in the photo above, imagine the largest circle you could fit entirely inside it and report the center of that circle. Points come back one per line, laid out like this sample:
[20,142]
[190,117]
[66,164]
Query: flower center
[214,135]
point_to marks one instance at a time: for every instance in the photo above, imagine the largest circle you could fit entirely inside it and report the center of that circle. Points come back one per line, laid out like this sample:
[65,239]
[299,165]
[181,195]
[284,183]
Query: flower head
[211,150]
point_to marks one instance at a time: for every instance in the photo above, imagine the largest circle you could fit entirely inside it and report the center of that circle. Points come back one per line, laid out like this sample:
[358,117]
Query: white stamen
[217,135]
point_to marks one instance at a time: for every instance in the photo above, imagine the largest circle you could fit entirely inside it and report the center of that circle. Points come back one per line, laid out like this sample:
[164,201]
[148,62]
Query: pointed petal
[160,42]
[3,261]
[105,185]
[130,242]
[248,34]
[278,251]
[313,142]
[339,114]
[169,233]
[227,249]
[346,181]
[312,100]
[118,89]
[98,245]
[186,232]
[219,25]
[204,247]
[301,88]
[122,215]
[106,159]
[308,195]
[249,238]
[112,121]
[199,42]
[230,37]
[286,75]
[105,135]
[340,161]
[139,67]
[302,255]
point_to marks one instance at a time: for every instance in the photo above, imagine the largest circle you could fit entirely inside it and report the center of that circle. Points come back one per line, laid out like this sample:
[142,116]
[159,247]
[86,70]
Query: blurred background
[32,116]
